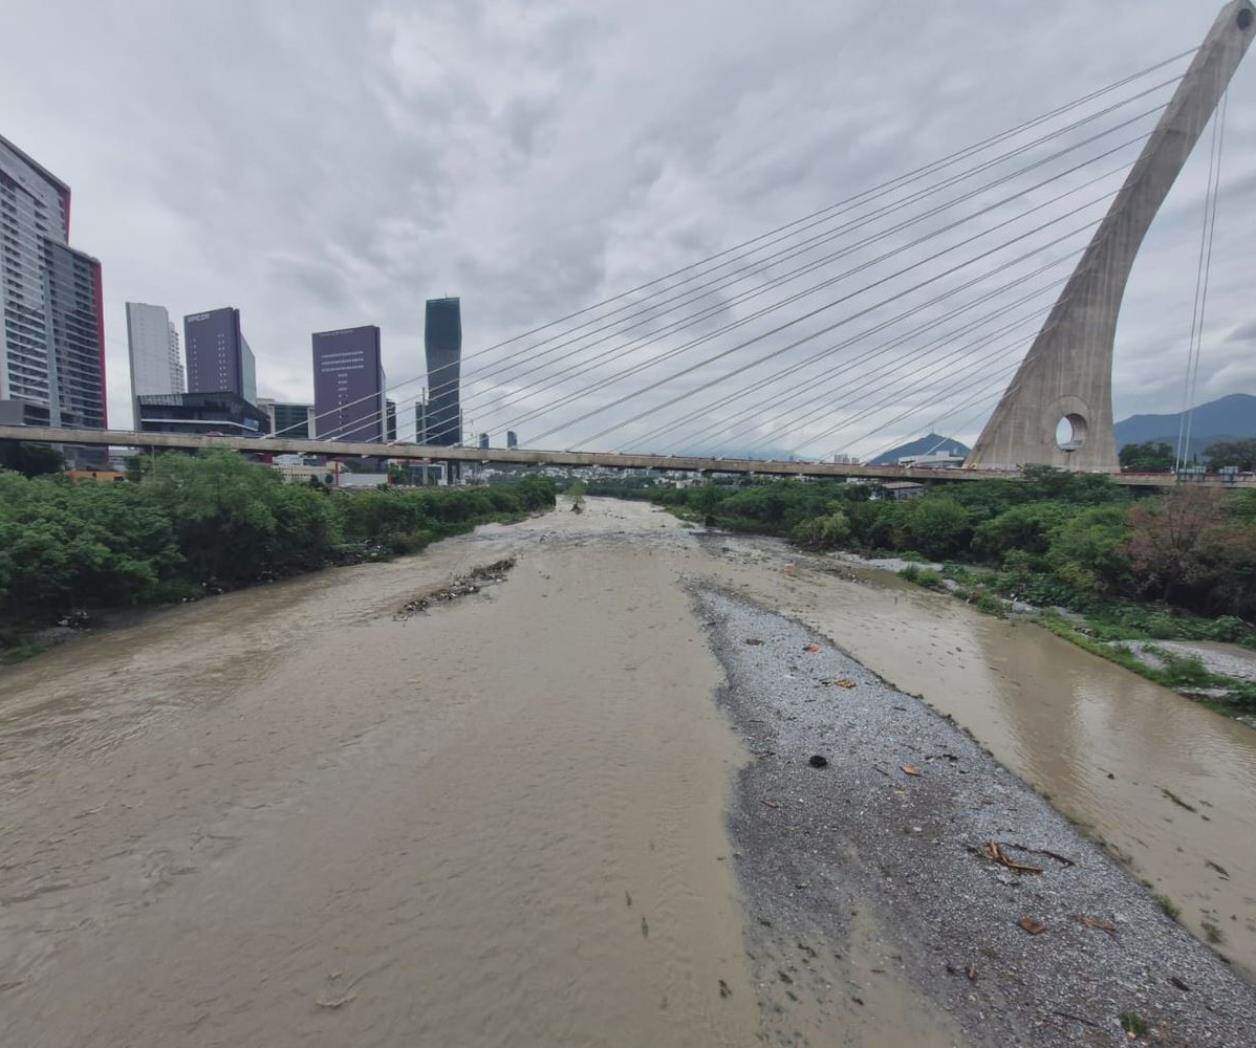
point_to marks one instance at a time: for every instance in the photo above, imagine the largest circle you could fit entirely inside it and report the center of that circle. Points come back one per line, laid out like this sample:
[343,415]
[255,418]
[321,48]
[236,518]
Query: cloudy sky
[323,164]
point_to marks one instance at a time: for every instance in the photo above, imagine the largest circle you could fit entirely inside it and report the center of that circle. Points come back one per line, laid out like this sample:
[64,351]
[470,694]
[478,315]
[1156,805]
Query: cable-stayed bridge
[990,279]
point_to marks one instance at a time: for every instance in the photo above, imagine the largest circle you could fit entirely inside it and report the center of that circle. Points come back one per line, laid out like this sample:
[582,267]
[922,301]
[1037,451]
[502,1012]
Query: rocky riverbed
[861,802]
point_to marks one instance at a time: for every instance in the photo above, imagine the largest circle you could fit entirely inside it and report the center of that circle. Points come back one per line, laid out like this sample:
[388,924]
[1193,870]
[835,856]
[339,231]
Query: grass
[19,650]
[1212,933]
[1133,1024]
[1171,909]
[926,577]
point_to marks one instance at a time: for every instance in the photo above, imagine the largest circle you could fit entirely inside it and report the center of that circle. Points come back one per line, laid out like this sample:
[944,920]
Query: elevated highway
[538,457]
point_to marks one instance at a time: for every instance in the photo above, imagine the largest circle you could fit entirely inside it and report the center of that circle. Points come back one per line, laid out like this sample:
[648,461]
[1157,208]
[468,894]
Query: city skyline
[538,231]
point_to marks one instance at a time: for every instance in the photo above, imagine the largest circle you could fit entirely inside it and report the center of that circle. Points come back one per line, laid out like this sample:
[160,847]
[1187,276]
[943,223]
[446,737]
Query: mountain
[931,442]
[1230,418]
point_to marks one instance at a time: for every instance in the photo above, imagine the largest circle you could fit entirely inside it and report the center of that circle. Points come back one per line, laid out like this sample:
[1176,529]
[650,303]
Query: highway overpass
[536,457]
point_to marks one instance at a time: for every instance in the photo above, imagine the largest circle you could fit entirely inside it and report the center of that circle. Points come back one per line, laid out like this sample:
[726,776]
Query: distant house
[100,476]
[901,490]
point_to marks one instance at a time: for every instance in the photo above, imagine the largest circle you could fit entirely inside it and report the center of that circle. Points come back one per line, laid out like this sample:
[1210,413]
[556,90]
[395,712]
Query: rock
[818,762]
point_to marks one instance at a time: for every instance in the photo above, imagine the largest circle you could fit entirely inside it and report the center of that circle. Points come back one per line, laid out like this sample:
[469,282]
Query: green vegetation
[1133,1024]
[1104,564]
[1239,454]
[1171,909]
[31,460]
[1152,457]
[198,525]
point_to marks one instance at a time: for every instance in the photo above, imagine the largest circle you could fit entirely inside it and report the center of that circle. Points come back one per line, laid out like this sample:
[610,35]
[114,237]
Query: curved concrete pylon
[1067,373]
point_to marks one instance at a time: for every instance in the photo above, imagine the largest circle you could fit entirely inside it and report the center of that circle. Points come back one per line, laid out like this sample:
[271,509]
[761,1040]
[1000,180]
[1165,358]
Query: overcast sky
[326,164]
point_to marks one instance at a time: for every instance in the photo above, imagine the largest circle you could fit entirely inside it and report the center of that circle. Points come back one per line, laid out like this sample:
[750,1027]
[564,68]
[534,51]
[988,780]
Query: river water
[1168,785]
[288,816]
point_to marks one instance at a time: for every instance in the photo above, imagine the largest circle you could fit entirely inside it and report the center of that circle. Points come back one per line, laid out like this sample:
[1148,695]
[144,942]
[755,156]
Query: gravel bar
[913,818]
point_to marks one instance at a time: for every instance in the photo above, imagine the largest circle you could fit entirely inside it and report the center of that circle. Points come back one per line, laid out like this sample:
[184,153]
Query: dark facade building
[287,420]
[349,385]
[483,440]
[292,420]
[218,355]
[390,412]
[512,439]
[442,339]
[52,339]
[219,413]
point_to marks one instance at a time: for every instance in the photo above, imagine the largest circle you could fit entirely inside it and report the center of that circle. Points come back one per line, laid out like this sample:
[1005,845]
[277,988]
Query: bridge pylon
[1067,374]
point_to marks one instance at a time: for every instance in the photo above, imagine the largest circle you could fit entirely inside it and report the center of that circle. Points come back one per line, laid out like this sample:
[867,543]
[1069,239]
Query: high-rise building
[512,439]
[52,331]
[390,413]
[483,440]
[349,385]
[218,355]
[221,413]
[442,339]
[287,420]
[412,420]
[153,346]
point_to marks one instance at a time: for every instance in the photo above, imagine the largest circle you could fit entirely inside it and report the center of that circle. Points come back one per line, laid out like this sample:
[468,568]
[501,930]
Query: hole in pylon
[1070,432]
[1245,18]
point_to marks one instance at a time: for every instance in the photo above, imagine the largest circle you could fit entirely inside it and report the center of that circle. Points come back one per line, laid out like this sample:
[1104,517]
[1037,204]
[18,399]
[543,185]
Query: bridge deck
[536,457]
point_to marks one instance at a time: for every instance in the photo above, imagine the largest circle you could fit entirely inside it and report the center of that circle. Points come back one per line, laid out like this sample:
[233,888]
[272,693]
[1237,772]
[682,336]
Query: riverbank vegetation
[1106,566]
[203,524]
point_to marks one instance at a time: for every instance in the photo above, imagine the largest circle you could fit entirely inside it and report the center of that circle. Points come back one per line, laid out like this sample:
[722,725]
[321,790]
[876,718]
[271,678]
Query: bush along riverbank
[1098,565]
[201,525]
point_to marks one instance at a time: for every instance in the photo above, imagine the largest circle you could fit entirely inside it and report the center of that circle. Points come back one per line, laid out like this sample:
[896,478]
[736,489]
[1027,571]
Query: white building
[153,345]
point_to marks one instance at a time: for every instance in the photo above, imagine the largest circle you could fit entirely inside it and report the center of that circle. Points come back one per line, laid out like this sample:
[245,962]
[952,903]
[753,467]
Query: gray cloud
[319,164]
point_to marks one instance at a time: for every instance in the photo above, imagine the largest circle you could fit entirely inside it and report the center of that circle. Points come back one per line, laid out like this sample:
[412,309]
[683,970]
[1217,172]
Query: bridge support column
[1067,374]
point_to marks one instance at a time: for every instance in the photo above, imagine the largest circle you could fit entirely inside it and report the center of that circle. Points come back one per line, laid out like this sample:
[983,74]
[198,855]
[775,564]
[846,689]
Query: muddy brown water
[286,816]
[1168,784]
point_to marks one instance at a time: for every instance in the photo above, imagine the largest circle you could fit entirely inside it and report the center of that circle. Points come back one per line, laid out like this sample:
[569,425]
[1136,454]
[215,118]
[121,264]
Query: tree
[936,525]
[1192,548]
[823,532]
[1087,551]
[1152,456]
[1026,527]
[1237,453]
[30,460]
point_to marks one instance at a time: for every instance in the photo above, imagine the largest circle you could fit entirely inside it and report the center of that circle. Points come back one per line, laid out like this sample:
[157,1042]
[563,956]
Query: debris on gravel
[462,586]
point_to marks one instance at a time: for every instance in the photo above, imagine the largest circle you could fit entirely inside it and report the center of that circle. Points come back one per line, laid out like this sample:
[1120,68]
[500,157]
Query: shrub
[926,577]
[209,521]
[1026,529]
[937,526]
[825,532]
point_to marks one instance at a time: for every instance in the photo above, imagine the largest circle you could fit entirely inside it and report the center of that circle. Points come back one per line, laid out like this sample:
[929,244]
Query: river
[289,815]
